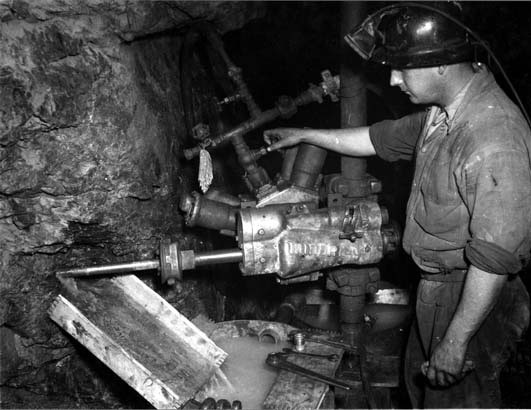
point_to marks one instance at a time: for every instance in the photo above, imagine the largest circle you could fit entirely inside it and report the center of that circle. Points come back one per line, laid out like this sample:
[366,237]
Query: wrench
[279,361]
[331,357]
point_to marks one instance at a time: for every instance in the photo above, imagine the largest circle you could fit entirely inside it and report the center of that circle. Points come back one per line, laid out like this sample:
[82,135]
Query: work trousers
[489,348]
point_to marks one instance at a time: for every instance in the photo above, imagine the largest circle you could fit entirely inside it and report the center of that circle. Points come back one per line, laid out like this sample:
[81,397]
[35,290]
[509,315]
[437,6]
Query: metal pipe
[184,260]
[220,256]
[314,93]
[207,213]
[289,307]
[308,164]
[110,269]
[215,194]
[242,129]
[255,174]
[353,96]
[236,74]
[287,163]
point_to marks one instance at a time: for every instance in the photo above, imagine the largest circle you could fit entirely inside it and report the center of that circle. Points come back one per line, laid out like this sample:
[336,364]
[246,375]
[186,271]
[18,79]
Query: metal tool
[330,357]
[278,360]
[170,265]
[298,335]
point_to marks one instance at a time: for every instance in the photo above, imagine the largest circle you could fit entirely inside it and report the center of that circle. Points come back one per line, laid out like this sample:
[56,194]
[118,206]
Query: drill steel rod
[108,269]
[199,259]
[222,256]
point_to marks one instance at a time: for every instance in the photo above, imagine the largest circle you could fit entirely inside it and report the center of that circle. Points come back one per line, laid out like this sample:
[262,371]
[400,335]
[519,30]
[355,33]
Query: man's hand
[284,137]
[447,364]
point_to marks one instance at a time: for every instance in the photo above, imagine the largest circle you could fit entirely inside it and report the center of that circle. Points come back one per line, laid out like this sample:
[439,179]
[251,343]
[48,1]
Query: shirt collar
[481,79]
[451,109]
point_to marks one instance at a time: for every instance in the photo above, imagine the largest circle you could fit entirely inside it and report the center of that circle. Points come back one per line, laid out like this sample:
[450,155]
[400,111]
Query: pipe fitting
[201,211]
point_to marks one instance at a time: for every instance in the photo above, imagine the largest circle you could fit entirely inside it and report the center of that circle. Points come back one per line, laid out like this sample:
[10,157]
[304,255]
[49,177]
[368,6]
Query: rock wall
[91,130]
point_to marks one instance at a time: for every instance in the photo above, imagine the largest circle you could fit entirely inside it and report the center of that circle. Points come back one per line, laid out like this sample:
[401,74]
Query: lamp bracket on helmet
[365,37]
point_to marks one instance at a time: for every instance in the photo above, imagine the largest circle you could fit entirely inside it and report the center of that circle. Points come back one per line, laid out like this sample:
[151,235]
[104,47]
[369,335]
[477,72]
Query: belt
[454,275]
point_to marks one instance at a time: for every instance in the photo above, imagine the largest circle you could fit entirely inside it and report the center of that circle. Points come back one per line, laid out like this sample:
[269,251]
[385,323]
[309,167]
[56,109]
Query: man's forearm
[346,141]
[447,361]
[479,295]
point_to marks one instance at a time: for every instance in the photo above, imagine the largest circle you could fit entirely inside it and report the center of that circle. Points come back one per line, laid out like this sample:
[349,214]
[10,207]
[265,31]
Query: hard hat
[412,35]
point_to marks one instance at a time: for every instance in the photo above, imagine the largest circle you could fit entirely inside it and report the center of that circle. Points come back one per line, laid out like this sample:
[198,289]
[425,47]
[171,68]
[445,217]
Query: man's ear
[441,69]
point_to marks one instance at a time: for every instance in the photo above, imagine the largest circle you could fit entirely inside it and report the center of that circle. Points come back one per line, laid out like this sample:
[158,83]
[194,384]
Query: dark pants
[489,348]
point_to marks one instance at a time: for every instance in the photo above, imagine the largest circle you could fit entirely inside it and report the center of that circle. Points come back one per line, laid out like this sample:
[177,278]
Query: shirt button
[423,149]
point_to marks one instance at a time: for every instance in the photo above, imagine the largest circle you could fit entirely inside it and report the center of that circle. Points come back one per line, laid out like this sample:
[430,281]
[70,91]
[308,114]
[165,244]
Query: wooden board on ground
[292,391]
[140,336]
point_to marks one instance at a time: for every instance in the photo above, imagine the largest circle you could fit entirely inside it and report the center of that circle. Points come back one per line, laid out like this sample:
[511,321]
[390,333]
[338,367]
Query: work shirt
[472,178]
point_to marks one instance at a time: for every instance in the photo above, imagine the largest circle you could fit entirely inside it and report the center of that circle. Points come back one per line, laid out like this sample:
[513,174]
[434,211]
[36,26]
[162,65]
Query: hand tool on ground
[330,357]
[300,337]
[278,360]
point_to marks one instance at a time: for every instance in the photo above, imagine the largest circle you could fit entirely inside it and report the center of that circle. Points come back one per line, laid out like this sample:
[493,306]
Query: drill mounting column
[352,286]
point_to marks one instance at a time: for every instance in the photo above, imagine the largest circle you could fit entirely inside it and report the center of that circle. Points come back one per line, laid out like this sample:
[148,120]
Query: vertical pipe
[353,96]
[353,104]
[287,164]
[307,166]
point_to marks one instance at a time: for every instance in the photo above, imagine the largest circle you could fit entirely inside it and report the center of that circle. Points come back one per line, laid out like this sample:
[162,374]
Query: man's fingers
[431,374]
[438,377]
[270,137]
[424,368]
[275,146]
[450,379]
[273,139]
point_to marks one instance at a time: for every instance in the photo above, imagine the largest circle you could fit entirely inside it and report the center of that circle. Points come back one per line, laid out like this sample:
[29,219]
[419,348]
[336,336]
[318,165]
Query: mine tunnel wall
[91,126]
[91,129]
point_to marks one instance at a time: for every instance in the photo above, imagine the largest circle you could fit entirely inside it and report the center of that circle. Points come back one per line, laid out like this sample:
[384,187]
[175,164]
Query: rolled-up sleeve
[498,198]
[396,139]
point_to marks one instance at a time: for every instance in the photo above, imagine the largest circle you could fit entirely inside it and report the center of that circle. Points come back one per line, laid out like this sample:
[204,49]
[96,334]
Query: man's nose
[396,78]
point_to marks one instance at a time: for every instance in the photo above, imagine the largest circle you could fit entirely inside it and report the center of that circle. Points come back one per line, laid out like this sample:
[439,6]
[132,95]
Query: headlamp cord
[476,37]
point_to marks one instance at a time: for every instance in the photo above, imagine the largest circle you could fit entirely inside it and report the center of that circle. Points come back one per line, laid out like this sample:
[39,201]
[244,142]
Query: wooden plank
[113,355]
[149,329]
[176,323]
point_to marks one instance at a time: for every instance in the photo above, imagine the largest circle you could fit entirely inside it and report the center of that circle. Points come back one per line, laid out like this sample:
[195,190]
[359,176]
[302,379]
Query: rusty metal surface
[302,240]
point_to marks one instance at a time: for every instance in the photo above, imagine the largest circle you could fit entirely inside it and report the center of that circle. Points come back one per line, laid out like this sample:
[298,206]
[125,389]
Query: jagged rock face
[91,129]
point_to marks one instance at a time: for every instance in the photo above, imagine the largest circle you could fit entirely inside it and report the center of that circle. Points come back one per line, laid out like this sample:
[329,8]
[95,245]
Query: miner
[468,222]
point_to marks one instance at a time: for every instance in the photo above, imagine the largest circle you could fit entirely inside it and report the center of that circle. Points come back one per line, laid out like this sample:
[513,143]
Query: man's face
[420,84]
